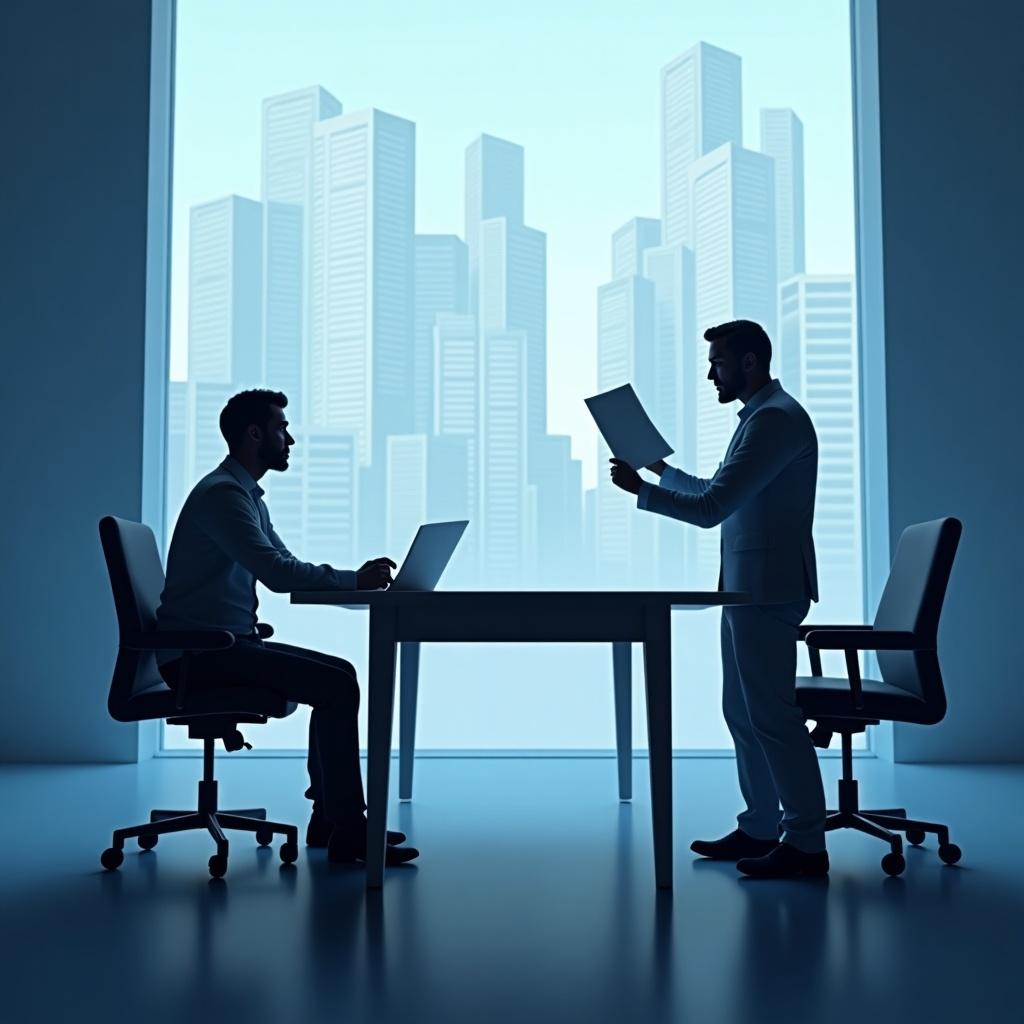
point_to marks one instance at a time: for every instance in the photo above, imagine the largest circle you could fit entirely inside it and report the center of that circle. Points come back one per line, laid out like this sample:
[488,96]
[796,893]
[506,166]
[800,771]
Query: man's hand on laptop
[375,574]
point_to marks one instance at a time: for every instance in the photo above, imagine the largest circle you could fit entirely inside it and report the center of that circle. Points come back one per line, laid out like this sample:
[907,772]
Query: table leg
[658,680]
[622,670]
[409,681]
[381,720]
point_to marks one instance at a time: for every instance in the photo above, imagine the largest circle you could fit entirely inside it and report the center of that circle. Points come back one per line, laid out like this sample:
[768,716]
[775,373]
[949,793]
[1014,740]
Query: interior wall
[950,88]
[74,120]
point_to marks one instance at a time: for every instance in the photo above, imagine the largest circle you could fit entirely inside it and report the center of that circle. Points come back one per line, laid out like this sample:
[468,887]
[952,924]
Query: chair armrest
[862,640]
[807,627]
[265,630]
[179,640]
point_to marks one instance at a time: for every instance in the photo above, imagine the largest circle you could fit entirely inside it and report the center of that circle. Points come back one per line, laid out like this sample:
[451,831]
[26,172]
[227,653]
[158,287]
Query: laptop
[432,549]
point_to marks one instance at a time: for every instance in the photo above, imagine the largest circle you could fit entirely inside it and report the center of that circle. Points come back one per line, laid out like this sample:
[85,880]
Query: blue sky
[575,83]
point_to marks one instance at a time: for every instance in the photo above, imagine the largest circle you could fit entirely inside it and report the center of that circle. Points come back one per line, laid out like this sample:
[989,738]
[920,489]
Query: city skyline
[425,364]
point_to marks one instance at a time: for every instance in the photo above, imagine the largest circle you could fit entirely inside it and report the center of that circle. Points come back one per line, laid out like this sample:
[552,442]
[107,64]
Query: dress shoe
[786,861]
[735,845]
[318,831]
[347,846]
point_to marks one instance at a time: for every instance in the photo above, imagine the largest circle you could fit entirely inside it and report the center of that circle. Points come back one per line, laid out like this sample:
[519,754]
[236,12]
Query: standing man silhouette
[763,496]
[223,543]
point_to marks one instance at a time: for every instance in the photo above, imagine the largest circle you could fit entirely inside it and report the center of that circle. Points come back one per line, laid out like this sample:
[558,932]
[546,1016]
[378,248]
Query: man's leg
[764,640]
[760,819]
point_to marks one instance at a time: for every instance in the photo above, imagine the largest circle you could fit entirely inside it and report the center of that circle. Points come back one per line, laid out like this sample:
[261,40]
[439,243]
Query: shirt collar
[242,475]
[758,399]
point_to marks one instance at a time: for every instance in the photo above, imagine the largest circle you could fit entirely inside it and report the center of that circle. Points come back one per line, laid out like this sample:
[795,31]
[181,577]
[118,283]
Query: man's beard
[734,390]
[273,459]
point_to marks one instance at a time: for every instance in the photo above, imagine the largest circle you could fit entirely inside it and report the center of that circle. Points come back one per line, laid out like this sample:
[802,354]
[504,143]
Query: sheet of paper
[627,428]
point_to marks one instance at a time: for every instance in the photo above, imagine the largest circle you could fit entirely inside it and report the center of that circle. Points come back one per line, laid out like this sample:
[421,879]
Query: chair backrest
[912,602]
[136,582]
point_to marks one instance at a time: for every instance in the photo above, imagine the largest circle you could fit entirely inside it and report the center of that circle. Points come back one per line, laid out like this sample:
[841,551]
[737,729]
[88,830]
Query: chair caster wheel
[915,836]
[893,864]
[289,853]
[147,840]
[264,836]
[112,859]
[218,865]
[950,853]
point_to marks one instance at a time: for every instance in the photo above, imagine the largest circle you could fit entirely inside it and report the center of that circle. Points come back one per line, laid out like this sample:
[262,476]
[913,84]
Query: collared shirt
[223,543]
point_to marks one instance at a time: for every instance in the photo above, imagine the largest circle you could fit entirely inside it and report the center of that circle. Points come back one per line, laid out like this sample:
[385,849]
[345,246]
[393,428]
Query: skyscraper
[819,367]
[362,278]
[455,450]
[442,285]
[625,354]
[782,138]
[559,514]
[503,456]
[286,174]
[513,297]
[224,290]
[670,268]
[406,507]
[330,498]
[629,244]
[733,217]
[701,109]
[494,188]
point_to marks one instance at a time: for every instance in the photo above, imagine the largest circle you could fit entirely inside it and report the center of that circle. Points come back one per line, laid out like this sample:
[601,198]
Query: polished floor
[534,900]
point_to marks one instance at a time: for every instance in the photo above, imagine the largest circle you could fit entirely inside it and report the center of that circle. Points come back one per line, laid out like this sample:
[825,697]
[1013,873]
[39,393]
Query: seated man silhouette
[223,543]
[762,495]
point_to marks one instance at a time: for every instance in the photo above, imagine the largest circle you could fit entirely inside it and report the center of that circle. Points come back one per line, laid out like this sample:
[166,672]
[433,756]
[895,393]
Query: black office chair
[904,637]
[138,692]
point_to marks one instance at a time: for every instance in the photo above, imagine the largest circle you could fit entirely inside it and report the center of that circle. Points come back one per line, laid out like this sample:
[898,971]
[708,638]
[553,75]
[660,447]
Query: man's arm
[677,479]
[228,517]
[767,446]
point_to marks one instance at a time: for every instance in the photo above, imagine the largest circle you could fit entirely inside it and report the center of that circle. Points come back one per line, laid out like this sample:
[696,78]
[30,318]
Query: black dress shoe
[318,832]
[786,861]
[735,845]
[344,847]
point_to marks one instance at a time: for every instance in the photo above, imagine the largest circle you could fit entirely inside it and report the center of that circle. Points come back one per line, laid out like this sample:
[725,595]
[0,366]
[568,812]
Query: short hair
[741,337]
[245,408]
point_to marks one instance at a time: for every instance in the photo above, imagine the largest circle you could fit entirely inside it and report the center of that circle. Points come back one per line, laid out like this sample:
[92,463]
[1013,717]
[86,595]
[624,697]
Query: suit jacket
[762,495]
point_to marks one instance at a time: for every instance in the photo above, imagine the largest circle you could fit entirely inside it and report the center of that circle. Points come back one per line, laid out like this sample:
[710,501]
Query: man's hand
[658,467]
[625,476]
[375,574]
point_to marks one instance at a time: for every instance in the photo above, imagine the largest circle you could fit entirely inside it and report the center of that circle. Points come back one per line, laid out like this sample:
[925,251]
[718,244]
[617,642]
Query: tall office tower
[224,290]
[286,190]
[558,522]
[782,138]
[451,494]
[630,243]
[457,411]
[205,447]
[625,354]
[177,452]
[819,367]
[734,256]
[406,503]
[513,297]
[442,286]
[503,506]
[283,303]
[589,562]
[494,188]
[701,109]
[331,498]
[363,281]
[670,268]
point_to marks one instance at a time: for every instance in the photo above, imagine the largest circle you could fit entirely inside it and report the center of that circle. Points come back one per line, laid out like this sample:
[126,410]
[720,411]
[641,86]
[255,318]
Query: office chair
[138,692]
[904,637]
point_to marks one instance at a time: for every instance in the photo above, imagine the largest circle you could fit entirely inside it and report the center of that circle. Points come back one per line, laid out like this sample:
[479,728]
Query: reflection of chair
[138,692]
[904,637]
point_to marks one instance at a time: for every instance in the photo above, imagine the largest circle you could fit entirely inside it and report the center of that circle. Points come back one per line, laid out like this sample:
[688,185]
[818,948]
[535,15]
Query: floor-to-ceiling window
[438,228]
